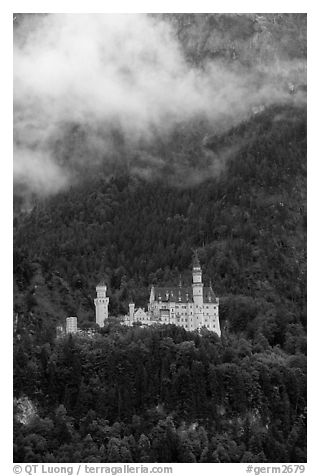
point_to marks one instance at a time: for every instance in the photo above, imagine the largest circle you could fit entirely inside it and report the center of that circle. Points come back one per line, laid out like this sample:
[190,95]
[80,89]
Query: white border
[92,6]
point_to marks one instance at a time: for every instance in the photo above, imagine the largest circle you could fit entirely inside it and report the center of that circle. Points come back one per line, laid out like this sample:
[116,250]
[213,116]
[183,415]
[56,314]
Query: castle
[191,307]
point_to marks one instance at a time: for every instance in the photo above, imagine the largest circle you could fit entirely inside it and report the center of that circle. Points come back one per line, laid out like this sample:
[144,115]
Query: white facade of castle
[191,307]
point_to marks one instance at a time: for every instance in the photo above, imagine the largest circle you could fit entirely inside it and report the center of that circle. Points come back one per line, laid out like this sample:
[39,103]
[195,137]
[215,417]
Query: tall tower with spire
[197,285]
[197,291]
[101,302]
[192,307]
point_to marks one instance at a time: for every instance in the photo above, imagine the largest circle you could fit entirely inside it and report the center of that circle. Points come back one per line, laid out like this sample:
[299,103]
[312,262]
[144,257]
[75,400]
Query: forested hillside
[160,395]
[130,209]
[168,395]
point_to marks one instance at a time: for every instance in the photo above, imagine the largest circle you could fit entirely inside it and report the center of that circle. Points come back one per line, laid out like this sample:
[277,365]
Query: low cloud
[39,171]
[104,84]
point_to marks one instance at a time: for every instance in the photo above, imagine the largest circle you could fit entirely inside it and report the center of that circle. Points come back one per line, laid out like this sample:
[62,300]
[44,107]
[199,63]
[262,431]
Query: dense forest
[235,194]
[160,394]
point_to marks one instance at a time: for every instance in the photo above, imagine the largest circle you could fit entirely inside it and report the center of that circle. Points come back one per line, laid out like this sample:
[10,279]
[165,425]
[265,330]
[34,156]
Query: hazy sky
[118,71]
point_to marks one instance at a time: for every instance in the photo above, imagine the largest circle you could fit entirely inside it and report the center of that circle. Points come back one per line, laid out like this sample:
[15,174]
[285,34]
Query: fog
[127,73]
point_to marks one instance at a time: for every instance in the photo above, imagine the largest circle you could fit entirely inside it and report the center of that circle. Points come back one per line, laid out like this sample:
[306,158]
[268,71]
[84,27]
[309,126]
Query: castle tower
[101,302]
[197,285]
[71,325]
[197,291]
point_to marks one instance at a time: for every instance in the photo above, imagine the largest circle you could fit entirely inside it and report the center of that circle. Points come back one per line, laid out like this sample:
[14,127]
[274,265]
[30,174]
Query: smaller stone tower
[101,302]
[71,325]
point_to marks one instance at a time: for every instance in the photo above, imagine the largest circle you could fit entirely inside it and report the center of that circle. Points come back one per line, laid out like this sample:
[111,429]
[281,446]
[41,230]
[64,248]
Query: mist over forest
[89,90]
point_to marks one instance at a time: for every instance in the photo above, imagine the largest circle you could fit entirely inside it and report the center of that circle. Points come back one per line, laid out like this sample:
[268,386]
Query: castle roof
[101,284]
[196,262]
[182,294]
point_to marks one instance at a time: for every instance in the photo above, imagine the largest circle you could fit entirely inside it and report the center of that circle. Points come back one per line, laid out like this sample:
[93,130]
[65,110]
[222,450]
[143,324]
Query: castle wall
[190,315]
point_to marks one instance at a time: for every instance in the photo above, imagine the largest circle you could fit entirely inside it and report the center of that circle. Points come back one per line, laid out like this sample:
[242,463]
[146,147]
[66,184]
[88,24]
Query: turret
[197,285]
[101,289]
[101,302]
